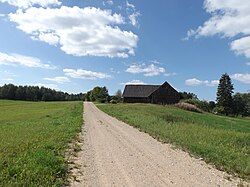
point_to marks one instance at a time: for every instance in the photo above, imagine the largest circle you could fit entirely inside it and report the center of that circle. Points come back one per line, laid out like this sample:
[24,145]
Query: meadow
[221,141]
[34,137]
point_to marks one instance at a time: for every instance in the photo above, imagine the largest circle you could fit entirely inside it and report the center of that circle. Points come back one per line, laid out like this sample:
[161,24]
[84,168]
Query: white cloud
[8,74]
[244,78]
[134,82]
[4,81]
[130,5]
[49,38]
[229,18]
[148,71]
[170,74]
[193,82]
[78,31]
[248,63]
[59,80]
[21,60]
[155,62]
[213,83]
[242,46]
[8,79]
[133,14]
[197,82]
[133,18]
[28,3]
[85,74]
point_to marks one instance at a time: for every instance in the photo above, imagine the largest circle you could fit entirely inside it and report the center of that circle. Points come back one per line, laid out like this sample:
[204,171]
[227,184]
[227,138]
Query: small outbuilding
[156,94]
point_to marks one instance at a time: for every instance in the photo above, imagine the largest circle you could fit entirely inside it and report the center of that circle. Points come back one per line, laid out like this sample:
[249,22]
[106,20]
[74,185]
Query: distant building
[157,94]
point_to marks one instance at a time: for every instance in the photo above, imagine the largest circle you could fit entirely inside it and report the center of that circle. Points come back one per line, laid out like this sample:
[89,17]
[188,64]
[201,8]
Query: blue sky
[75,45]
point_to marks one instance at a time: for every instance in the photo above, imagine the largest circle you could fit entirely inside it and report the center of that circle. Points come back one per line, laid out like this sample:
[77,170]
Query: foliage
[189,107]
[33,139]
[189,95]
[203,105]
[117,97]
[241,104]
[218,110]
[113,101]
[212,105]
[221,140]
[98,94]
[224,94]
[35,93]
[87,96]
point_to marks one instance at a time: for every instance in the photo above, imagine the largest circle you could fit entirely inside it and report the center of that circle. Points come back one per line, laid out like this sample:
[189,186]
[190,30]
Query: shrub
[185,95]
[212,105]
[113,101]
[218,110]
[203,105]
[189,107]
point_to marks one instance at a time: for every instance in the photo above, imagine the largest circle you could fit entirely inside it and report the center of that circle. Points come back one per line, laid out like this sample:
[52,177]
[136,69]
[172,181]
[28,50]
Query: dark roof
[139,90]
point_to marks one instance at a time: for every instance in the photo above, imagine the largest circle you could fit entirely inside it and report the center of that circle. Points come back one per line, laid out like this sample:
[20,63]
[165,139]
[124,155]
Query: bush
[113,101]
[212,105]
[203,105]
[185,95]
[189,107]
[218,110]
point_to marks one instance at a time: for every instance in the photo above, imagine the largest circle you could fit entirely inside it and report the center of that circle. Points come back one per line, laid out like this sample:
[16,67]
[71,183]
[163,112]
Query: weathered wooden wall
[165,95]
[136,100]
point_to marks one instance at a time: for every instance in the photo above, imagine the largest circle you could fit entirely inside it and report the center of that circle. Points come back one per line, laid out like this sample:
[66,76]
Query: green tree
[8,91]
[189,95]
[99,94]
[20,93]
[117,98]
[212,105]
[104,95]
[94,96]
[224,94]
[241,104]
[87,97]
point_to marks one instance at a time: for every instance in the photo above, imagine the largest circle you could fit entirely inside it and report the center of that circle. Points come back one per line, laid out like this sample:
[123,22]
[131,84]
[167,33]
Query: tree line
[35,93]
[227,103]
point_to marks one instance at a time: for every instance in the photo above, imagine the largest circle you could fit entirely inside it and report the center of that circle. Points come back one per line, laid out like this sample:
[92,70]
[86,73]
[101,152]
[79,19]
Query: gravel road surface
[116,154]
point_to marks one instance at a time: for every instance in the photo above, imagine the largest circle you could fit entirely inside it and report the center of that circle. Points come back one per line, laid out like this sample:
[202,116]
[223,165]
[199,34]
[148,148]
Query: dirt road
[116,154]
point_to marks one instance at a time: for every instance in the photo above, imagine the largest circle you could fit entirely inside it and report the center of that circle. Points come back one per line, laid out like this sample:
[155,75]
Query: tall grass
[223,141]
[33,139]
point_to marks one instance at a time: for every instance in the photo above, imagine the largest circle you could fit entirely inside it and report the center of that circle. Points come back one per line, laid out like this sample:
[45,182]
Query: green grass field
[223,141]
[33,139]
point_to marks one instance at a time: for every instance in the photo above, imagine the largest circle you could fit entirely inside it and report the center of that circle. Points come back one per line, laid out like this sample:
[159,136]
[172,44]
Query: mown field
[223,141]
[33,139]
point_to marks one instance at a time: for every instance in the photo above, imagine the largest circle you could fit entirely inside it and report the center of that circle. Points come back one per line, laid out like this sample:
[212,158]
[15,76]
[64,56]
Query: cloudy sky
[75,45]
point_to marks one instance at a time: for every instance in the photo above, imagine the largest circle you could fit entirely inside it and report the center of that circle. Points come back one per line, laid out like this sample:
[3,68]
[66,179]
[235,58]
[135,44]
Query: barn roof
[139,90]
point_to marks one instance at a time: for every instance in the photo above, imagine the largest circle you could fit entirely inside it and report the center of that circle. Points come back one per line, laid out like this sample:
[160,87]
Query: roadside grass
[222,141]
[34,137]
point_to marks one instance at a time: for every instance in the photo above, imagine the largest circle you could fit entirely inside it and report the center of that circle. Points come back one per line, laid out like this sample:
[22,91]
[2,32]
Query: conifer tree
[224,94]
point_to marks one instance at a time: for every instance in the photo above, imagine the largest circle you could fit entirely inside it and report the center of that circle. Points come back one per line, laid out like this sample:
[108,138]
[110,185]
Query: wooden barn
[157,94]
